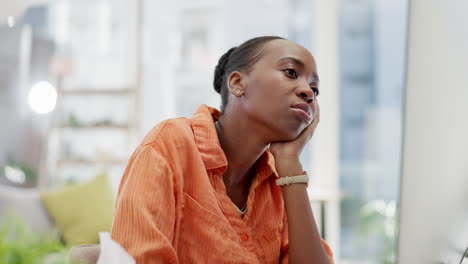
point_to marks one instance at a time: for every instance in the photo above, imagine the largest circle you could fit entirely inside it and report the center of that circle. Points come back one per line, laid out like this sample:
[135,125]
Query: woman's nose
[306,93]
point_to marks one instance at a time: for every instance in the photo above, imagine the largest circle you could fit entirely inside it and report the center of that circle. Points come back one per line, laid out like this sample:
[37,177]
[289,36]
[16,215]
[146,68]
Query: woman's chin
[290,135]
[289,132]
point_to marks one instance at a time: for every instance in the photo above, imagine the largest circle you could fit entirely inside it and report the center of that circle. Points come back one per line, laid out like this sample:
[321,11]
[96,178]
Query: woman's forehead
[276,50]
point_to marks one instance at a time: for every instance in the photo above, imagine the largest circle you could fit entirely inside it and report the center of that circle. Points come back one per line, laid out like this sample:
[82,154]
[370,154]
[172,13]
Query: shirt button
[244,237]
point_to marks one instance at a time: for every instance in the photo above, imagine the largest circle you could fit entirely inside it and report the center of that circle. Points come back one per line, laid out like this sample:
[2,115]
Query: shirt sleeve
[145,212]
[285,244]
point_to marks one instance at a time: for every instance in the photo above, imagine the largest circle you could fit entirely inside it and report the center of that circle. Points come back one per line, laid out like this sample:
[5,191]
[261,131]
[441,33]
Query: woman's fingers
[317,112]
[308,132]
[313,125]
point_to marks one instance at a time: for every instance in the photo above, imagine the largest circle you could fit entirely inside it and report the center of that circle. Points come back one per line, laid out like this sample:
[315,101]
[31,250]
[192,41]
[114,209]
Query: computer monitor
[433,205]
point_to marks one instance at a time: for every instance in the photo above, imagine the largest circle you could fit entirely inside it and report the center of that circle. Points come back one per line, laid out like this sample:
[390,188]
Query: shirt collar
[206,139]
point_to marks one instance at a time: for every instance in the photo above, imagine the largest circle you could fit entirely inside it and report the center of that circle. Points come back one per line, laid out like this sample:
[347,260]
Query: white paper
[112,252]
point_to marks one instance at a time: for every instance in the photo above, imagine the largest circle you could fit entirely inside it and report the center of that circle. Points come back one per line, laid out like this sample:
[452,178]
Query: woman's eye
[291,72]
[315,90]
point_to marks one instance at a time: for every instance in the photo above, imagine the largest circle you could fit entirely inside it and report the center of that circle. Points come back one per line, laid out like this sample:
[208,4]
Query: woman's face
[279,92]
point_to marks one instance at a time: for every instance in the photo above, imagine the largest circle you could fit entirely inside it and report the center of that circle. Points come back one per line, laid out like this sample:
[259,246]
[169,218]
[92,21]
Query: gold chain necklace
[243,210]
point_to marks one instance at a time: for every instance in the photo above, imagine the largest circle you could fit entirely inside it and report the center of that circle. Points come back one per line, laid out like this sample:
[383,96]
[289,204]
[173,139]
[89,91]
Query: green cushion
[81,211]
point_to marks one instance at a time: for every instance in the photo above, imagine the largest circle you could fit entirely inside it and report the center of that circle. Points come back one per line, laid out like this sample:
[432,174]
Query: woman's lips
[301,113]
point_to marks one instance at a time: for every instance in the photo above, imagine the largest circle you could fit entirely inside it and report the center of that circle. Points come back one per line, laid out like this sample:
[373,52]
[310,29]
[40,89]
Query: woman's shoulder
[169,132]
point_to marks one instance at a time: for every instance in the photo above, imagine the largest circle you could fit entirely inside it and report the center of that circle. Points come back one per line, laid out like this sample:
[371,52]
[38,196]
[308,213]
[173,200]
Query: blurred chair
[84,254]
[25,203]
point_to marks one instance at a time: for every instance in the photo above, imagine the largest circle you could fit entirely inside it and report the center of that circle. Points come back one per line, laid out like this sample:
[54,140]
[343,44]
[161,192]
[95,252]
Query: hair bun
[220,70]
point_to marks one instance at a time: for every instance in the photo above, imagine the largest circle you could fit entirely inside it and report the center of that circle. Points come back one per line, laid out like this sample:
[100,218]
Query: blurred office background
[81,82]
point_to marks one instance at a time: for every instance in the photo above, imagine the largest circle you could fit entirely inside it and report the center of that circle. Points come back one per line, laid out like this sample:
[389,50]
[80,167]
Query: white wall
[21,130]
[325,143]
[384,117]
[434,185]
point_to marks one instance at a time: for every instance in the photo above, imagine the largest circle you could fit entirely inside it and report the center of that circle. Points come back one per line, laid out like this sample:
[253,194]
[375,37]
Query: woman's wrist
[288,166]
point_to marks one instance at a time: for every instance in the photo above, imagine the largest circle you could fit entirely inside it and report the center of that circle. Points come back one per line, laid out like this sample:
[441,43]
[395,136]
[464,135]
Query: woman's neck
[242,148]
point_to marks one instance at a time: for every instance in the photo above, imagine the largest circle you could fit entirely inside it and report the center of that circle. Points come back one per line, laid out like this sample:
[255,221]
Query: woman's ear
[235,83]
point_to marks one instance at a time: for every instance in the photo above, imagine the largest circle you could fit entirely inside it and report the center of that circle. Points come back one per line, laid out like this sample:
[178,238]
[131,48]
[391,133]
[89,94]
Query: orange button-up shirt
[172,205]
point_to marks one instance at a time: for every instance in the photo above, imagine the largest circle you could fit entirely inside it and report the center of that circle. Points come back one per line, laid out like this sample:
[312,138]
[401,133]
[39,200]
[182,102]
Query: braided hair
[241,58]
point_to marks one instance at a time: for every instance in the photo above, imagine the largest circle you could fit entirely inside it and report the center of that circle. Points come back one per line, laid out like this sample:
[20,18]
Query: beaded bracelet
[293,179]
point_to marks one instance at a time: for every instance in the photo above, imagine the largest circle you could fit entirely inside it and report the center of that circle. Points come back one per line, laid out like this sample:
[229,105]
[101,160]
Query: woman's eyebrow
[295,60]
[315,77]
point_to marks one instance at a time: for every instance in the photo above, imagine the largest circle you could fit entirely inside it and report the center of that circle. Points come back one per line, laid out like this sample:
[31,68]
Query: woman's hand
[290,150]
